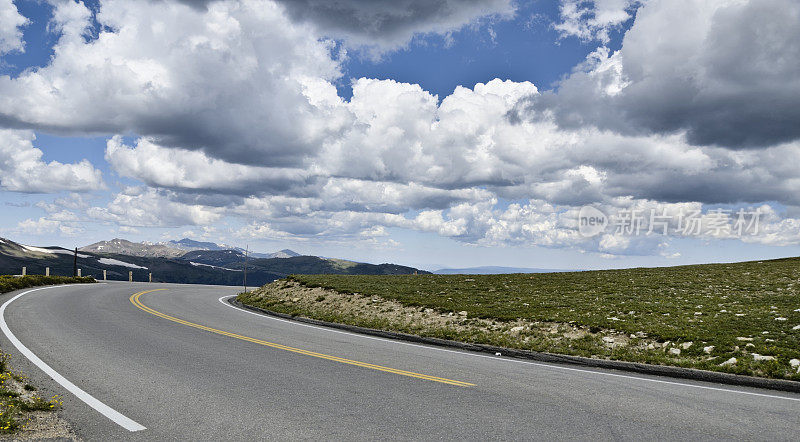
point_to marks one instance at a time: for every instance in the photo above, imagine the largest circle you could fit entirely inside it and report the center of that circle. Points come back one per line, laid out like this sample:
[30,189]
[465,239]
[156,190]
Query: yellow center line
[138,303]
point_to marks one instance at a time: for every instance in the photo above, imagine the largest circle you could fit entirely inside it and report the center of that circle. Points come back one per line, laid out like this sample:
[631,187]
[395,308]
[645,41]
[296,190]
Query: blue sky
[263,133]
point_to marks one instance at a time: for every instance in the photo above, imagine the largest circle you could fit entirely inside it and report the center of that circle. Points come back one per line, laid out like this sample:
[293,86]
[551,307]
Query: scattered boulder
[730,361]
[759,357]
[741,338]
[707,350]
[675,351]
[686,345]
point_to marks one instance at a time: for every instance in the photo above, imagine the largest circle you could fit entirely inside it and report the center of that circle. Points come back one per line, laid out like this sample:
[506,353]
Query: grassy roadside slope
[19,401]
[11,283]
[741,318]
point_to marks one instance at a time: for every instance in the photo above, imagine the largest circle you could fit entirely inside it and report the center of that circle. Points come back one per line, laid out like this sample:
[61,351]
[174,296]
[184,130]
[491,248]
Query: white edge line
[519,361]
[90,400]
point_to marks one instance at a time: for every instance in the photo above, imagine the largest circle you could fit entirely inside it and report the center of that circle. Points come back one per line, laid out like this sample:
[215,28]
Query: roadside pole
[24,271]
[246,250]
[75,263]
[149,277]
[47,271]
[79,272]
[130,276]
[105,275]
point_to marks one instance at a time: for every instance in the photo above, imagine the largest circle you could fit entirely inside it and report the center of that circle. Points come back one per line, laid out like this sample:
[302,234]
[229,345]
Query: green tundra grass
[749,311]
[11,283]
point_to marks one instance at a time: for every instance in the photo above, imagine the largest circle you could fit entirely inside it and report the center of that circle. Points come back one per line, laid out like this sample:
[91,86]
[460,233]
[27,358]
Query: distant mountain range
[223,267]
[494,270]
[171,249]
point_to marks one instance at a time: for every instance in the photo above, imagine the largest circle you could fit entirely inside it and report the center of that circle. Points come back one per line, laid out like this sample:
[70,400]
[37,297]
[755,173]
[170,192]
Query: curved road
[184,365]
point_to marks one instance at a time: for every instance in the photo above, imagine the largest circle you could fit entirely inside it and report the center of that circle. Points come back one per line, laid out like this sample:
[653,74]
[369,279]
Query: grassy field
[698,316]
[11,283]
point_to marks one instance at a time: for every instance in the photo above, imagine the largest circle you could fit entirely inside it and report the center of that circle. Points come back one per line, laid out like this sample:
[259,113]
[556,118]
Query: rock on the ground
[730,361]
[759,357]
[675,351]
[707,350]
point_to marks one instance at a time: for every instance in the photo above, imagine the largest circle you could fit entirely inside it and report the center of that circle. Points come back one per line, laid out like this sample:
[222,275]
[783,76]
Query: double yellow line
[135,301]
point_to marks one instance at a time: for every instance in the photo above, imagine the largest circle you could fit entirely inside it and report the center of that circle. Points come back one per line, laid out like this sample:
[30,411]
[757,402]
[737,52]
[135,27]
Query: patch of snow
[68,252]
[730,361]
[796,327]
[795,363]
[759,357]
[197,264]
[114,262]
[708,350]
[36,249]
[780,319]
[51,251]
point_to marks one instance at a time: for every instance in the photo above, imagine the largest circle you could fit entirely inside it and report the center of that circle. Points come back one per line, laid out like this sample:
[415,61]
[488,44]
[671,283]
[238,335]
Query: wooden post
[130,276]
[105,275]
[47,271]
[246,250]
[149,277]
[24,271]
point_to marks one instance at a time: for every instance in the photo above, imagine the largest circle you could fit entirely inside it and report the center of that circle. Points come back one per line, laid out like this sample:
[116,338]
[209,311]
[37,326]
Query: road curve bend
[179,363]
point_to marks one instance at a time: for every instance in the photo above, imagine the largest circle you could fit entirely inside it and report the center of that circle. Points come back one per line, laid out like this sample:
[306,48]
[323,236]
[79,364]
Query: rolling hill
[171,249]
[220,267]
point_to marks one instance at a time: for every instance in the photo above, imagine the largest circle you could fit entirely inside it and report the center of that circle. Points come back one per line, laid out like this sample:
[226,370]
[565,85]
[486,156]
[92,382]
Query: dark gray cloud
[728,75]
[389,23]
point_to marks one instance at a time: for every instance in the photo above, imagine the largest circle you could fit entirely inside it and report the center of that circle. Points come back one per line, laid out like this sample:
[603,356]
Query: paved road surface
[186,366]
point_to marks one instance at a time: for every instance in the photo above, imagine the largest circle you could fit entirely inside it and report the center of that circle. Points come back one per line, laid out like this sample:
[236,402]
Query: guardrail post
[47,271]
[24,271]
[105,275]
[130,276]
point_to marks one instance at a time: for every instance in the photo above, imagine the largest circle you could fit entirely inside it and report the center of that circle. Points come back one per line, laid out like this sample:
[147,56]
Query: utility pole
[75,264]
[246,250]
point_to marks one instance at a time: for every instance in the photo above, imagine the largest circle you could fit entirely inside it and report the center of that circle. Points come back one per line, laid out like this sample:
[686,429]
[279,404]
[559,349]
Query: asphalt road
[186,366]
